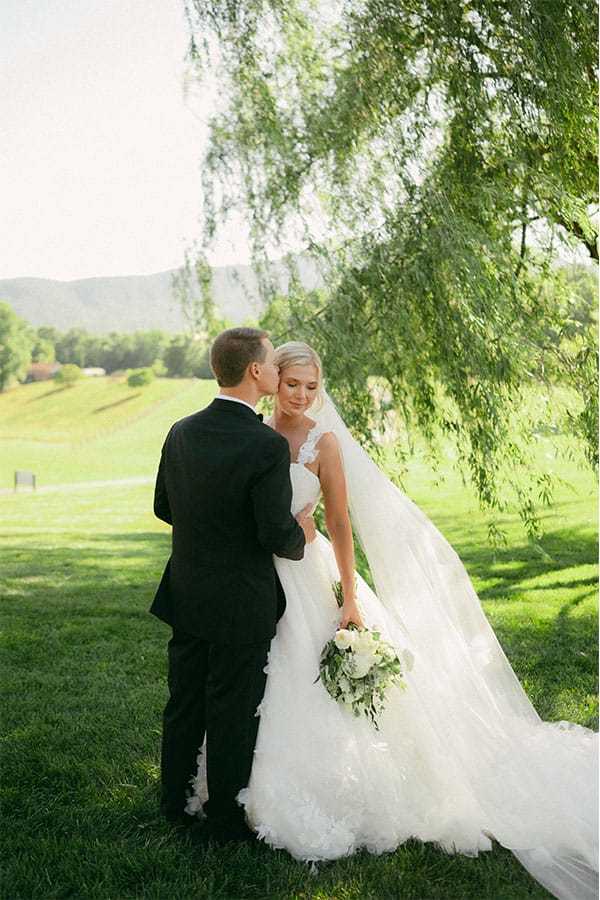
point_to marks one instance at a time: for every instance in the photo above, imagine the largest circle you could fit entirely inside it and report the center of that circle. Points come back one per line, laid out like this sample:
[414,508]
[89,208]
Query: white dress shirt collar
[235,400]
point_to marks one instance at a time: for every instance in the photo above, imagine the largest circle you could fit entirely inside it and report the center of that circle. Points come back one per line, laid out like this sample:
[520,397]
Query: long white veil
[536,781]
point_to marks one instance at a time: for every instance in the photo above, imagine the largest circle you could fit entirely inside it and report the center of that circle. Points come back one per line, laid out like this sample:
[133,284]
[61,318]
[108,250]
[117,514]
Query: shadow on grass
[85,684]
[120,402]
[105,576]
[50,393]
[508,568]
[92,590]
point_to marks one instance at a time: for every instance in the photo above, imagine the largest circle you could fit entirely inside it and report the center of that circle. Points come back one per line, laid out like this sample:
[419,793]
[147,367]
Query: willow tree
[437,156]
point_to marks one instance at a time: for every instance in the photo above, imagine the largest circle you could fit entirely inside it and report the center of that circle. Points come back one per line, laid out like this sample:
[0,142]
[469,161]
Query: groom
[223,484]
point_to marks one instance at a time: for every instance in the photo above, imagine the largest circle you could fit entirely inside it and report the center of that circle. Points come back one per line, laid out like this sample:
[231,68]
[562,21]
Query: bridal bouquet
[357,668]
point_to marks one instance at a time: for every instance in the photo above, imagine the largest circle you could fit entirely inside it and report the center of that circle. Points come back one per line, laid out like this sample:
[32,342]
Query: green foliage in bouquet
[357,668]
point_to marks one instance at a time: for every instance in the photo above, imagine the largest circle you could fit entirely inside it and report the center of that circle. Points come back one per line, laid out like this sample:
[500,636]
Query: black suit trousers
[214,690]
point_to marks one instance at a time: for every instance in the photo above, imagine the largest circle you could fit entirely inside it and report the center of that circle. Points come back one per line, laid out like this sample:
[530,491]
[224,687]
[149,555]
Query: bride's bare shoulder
[328,444]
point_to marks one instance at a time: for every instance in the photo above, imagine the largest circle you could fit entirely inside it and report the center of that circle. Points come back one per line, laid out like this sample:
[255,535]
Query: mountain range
[136,302]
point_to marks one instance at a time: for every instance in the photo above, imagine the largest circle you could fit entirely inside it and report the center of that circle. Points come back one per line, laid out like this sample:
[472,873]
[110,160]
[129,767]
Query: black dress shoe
[206,835]
[181,820]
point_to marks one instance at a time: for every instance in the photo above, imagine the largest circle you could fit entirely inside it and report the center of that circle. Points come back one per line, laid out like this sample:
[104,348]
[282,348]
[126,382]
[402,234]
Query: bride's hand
[351,612]
[307,524]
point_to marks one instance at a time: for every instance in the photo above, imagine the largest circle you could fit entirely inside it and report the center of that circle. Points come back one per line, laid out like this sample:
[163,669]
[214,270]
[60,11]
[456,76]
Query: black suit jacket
[224,485]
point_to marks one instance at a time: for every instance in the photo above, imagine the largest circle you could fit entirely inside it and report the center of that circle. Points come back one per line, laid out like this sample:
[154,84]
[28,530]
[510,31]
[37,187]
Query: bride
[460,757]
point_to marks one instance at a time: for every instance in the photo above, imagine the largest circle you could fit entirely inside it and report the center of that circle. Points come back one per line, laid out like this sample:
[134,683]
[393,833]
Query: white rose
[362,664]
[344,639]
[366,641]
[359,639]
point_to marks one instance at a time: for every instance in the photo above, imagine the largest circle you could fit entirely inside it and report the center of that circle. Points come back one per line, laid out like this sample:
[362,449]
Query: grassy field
[84,672]
[100,429]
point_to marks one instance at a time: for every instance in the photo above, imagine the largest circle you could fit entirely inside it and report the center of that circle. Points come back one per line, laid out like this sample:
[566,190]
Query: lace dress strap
[308,451]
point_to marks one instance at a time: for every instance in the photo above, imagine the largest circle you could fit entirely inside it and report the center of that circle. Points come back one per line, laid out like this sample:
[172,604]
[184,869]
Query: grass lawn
[84,682]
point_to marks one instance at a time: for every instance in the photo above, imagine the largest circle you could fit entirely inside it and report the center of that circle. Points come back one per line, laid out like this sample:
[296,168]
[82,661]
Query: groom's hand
[306,523]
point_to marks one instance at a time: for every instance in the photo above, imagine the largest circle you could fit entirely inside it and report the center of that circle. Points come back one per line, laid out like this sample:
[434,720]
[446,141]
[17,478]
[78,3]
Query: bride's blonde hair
[297,353]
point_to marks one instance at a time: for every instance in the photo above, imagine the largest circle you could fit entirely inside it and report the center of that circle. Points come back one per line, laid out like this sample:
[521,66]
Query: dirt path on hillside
[115,482]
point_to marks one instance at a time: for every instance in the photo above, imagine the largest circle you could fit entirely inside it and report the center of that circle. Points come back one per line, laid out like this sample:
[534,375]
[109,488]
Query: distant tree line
[176,356]
[171,356]
[187,355]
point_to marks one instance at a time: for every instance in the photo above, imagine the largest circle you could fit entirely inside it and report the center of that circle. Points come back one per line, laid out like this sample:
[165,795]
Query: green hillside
[103,430]
[98,430]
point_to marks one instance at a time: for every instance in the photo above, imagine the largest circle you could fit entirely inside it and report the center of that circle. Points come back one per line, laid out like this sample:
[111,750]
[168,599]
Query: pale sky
[99,153]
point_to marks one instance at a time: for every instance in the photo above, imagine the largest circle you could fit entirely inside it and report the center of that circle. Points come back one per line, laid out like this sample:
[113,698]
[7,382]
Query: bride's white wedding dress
[460,757]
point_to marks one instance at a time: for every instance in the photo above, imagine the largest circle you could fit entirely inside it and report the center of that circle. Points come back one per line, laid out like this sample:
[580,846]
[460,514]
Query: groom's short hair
[233,351]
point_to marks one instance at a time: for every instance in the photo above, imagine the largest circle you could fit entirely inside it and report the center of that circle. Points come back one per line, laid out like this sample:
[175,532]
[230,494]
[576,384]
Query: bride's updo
[297,353]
